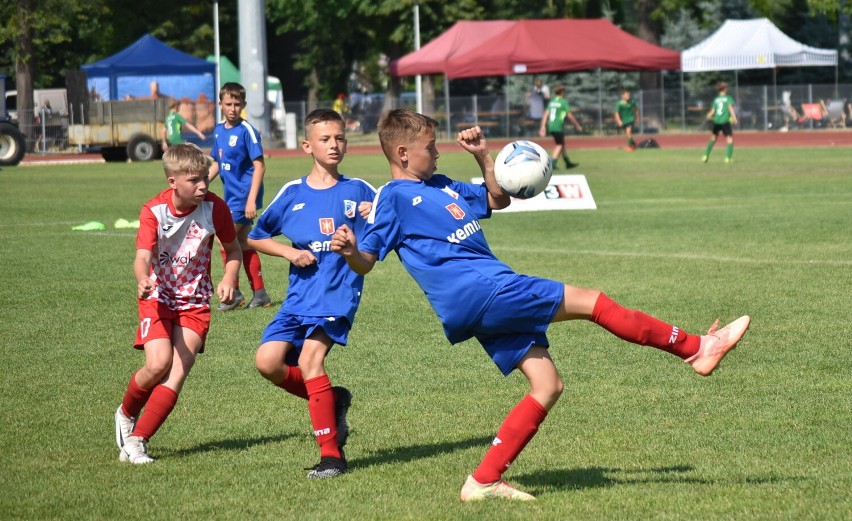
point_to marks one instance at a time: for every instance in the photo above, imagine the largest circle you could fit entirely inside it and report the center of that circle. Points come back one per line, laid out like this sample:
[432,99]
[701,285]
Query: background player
[323,293]
[723,115]
[432,222]
[553,122]
[238,159]
[626,114]
[172,269]
[174,124]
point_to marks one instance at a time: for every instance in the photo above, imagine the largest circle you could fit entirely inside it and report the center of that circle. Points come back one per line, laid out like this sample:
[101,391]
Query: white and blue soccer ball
[523,169]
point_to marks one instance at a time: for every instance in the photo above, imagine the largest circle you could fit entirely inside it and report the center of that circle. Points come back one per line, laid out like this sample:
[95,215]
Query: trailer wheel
[12,145]
[141,148]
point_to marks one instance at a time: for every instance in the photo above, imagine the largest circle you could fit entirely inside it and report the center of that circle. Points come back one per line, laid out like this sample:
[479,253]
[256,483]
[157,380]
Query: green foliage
[636,434]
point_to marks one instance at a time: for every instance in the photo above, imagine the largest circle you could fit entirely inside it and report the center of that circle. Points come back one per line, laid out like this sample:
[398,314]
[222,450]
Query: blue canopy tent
[149,68]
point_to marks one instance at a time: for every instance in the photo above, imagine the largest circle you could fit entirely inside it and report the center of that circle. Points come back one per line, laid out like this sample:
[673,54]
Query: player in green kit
[722,115]
[626,114]
[553,122]
[174,124]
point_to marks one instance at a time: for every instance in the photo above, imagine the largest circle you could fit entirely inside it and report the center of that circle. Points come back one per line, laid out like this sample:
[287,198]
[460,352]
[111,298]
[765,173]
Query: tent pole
[662,102]
[216,52]
[418,80]
[600,102]
[447,103]
[682,104]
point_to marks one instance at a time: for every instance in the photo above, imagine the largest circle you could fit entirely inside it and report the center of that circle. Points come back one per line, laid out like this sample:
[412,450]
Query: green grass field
[637,435]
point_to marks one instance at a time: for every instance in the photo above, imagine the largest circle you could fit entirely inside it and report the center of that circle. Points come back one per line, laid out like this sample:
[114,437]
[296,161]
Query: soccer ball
[523,169]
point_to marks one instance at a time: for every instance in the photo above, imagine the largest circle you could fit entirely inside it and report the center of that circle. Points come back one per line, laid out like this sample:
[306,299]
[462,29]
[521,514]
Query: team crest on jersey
[232,141]
[326,225]
[449,191]
[194,231]
[349,208]
[455,210]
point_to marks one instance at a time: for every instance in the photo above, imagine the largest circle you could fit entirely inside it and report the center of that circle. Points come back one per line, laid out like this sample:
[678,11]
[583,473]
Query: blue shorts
[517,319]
[239,217]
[286,327]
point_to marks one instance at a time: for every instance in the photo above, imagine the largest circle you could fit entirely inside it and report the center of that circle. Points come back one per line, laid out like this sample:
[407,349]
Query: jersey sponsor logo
[226,166]
[178,260]
[417,200]
[326,225]
[318,246]
[349,208]
[455,210]
[463,233]
[232,141]
[297,207]
[449,191]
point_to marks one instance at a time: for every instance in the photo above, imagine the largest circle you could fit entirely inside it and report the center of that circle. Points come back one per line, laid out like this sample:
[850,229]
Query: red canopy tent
[461,37]
[499,48]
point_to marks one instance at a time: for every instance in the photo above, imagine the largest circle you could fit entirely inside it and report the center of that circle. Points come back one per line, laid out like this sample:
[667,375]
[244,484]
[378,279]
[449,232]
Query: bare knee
[267,362]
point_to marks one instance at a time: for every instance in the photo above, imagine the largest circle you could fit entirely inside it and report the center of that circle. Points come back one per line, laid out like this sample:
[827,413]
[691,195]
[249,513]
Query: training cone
[89,227]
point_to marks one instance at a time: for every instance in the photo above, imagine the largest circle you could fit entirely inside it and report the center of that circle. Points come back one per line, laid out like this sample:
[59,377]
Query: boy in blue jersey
[323,293]
[432,222]
[238,159]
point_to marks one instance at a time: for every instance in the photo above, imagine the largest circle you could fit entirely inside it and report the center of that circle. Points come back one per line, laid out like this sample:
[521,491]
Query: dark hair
[233,89]
[559,90]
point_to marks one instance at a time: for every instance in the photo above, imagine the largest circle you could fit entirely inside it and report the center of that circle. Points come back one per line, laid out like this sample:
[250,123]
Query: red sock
[159,406]
[251,263]
[134,398]
[517,430]
[294,383]
[321,408]
[642,329]
[225,262]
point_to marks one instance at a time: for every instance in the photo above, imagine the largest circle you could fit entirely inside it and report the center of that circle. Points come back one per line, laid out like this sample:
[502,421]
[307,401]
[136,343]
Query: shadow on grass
[415,452]
[600,477]
[231,444]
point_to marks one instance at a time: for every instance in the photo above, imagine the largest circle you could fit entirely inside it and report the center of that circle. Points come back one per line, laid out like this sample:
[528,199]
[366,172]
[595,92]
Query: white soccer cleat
[716,344]
[123,427]
[136,451]
[476,491]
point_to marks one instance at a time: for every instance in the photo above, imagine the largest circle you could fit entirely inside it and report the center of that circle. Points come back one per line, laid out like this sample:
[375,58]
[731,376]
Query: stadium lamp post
[216,53]
[418,80]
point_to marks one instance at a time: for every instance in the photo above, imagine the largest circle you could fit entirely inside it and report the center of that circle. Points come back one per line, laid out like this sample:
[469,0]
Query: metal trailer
[12,141]
[128,129]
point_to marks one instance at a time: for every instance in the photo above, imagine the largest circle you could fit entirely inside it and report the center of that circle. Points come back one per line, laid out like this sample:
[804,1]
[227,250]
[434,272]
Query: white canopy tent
[753,44]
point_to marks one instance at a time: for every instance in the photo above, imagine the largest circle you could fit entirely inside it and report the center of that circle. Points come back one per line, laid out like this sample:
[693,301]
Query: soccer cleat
[705,158]
[135,451]
[571,165]
[716,344]
[475,491]
[328,467]
[123,427]
[239,300]
[630,148]
[260,300]
[342,401]
[729,160]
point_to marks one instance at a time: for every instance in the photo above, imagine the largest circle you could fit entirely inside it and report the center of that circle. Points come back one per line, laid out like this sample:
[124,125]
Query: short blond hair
[401,127]
[185,159]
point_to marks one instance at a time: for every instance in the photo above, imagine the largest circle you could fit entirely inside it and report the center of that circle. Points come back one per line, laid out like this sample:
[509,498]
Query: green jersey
[174,122]
[557,109]
[722,109]
[626,111]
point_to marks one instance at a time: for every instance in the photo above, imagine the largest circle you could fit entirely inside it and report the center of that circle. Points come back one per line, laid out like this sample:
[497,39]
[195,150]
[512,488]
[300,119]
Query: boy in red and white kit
[172,269]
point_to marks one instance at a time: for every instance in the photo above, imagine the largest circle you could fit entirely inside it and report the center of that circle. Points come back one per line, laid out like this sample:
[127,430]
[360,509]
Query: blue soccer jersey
[235,149]
[309,217]
[434,227]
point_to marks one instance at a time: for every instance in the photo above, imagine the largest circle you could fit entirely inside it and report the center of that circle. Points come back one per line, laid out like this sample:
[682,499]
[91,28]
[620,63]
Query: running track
[807,139]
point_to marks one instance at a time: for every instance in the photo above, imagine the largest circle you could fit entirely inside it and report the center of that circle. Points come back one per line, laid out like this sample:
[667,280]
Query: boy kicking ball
[432,223]
[172,269]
